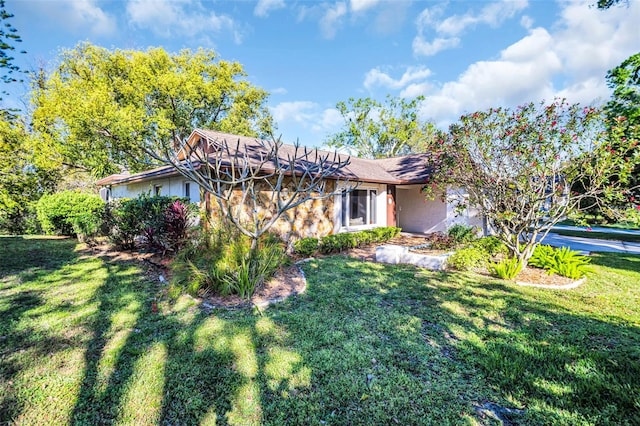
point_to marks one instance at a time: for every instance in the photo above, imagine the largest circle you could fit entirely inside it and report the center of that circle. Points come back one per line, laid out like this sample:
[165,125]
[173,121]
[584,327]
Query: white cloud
[83,16]
[376,77]
[492,14]
[448,30]
[297,111]
[526,22]
[569,59]
[263,7]
[425,48]
[308,115]
[279,91]
[168,18]
[330,120]
[332,19]
[362,5]
[89,13]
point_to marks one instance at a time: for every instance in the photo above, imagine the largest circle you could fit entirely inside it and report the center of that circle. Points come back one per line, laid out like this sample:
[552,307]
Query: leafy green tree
[22,180]
[377,130]
[519,166]
[103,110]
[624,110]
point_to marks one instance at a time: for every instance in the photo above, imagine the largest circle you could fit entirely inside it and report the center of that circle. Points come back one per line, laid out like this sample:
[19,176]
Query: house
[388,193]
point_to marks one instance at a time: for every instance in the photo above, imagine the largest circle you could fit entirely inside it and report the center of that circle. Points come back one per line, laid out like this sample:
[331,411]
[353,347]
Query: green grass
[366,344]
[597,221]
[599,235]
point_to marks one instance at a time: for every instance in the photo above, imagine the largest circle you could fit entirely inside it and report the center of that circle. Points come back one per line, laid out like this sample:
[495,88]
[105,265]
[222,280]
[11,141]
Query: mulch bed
[290,280]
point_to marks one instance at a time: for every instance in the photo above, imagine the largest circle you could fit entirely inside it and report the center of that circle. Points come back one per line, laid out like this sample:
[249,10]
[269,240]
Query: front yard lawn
[366,344]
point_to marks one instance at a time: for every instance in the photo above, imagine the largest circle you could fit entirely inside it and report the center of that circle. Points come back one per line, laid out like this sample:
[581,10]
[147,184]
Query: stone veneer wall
[313,218]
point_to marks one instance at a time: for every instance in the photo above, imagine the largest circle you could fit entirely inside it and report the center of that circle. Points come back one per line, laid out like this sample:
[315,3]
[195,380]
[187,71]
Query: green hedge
[70,213]
[338,242]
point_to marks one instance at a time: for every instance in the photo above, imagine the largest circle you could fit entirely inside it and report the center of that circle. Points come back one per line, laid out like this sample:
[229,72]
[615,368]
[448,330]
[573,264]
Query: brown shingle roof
[399,170]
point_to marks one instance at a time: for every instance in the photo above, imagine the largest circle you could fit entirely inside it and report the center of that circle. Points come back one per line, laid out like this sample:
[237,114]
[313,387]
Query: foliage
[462,234]
[623,113]
[8,37]
[337,243]
[519,167]
[176,224]
[380,130]
[103,110]
[440,241]
[507,269]
[468,258]
[161,221]
[491,245]
[564,261]
[221,261]
[306,246]
[97,352]
[22,179]
[70,213]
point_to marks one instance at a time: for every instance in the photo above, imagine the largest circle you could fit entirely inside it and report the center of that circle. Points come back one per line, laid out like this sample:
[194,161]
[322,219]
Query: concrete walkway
[591,244]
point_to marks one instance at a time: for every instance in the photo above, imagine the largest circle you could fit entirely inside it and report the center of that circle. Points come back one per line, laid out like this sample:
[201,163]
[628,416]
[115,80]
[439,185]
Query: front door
[391,205]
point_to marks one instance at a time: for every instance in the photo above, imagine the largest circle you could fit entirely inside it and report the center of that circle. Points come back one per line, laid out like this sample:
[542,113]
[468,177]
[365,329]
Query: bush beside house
[70,213]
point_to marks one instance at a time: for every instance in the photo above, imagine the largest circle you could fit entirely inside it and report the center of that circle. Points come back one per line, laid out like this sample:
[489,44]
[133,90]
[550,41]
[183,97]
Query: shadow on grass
[564,365]
[366,344]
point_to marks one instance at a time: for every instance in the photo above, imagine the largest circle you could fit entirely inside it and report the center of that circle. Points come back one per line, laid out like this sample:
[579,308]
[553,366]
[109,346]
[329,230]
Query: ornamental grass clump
[221,261]
[563,261]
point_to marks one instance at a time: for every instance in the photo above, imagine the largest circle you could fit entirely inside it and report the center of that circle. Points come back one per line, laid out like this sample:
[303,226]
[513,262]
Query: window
[157,189]
[187,190]
[359,207]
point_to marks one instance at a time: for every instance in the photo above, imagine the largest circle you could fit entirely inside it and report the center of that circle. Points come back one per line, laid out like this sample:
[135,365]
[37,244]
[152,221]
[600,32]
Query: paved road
[598,229]
[591,244]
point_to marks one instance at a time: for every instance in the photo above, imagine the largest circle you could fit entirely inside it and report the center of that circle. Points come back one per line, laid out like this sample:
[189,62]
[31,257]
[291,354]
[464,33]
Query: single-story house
[388,193]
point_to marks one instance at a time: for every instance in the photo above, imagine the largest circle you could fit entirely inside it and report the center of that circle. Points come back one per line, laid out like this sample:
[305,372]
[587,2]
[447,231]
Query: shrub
[462,234]
[507,269]
[440,241]
[176,224]
[491,245]
[306,246]
[221,261]
[337,242]
[70,213]
[468,258]
[564,261]
[158,220]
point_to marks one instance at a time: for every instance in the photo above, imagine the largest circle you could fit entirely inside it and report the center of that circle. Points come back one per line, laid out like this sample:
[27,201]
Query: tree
[255,183]
[376,130]
[104,110]
[23,179]
[624,111]
[606,4]
[8,37]
[519,166]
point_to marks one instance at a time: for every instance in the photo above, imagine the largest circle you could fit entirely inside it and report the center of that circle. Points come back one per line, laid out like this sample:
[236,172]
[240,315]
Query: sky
[462,56]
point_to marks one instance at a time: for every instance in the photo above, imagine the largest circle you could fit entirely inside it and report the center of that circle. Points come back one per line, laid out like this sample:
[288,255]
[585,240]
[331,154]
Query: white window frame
[369,203]
[157,190]
[187,193]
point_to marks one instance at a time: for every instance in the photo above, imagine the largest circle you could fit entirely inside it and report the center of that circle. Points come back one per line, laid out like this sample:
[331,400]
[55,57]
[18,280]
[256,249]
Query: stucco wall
[417,214]
[172,186]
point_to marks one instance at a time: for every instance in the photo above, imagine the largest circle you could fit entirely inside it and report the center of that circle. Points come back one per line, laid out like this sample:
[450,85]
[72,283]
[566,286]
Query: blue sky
[461,55]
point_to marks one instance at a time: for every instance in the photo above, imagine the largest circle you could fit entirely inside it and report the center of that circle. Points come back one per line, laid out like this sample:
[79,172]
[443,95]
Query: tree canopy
[377,130]
[8,37]
[103,110]
[519,167]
